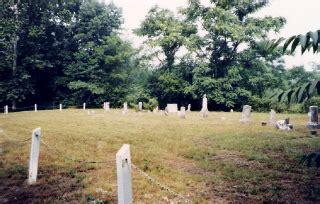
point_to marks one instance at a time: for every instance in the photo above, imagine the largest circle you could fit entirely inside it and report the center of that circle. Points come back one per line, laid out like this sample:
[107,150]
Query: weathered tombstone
[34,156]
[172,108]
[35,108]
[60,107]
[189,108]
[140,106]
[284,124]
[6,109]
[84,106]
[204,109]
[123,161]
[313,123]
[125,108]
[272,117]
[246,114]
[182,112]
[107,106]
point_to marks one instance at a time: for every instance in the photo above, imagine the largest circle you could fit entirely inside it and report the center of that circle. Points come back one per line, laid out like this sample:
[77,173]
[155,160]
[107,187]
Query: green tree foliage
[102,61]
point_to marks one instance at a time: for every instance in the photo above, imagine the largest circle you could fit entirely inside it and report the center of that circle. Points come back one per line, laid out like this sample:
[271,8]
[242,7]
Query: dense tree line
[71,51]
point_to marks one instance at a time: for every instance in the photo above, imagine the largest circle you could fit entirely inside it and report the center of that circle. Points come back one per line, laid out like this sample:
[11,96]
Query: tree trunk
[15,49]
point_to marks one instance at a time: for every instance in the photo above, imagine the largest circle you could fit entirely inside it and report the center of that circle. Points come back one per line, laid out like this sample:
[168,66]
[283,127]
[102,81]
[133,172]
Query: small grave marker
[204,109]
[272,118]
[140,106]
[246,114]
[182,112]
[125,108]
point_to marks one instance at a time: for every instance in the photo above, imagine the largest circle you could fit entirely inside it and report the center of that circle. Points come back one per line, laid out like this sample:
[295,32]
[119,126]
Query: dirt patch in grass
[49,188]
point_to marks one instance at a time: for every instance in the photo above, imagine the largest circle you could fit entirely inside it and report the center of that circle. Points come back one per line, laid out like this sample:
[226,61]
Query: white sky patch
[302,17]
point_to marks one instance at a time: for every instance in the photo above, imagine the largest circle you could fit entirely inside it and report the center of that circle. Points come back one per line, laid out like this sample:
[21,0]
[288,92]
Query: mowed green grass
[210,160]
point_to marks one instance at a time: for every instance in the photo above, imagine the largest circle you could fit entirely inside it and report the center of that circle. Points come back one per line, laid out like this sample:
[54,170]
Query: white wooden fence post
[60,107]
[34,156]
[123,160]
[84,106]
[35,108]
[6,109]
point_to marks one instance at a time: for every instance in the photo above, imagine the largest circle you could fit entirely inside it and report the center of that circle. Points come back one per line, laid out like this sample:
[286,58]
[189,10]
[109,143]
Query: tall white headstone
[140,106]
[84,106]
[204,109]
[123,160]
[189,108]
[60,107]
[34,156]
[6,109]
[182,112]
[246,114]
[35,108]
[125,108]
[272,118]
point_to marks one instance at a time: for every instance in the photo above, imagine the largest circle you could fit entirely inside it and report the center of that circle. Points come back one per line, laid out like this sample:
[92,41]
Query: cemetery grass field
[210,160]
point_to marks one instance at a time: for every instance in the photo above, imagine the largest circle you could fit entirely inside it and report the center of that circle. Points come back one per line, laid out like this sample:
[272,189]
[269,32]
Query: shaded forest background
[72,51]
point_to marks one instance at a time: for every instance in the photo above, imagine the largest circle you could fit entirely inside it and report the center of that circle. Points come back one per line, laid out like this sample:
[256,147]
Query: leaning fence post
[123,160]
[34,156]
[35,108]
[60,107]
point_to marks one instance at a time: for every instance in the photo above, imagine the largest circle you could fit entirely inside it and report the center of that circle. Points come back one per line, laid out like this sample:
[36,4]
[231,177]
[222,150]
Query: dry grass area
[210,160]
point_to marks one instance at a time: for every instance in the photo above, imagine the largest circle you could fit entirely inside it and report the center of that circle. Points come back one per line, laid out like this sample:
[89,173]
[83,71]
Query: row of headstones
[123,165]
[313,123]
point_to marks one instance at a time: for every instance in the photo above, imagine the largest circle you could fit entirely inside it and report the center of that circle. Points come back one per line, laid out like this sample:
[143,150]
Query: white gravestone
[6,109]
[34,156]
[172,108]
[182,112]
[123,160]
[35,108]
[60,107]
[84,106]
[231,111]
[107,106]
[272,118]
[189,108]
[204,109]
[125,108]
[140,106]
[246,114]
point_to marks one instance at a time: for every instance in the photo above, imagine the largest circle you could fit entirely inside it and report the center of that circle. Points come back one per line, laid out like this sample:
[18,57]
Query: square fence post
[34,156]
[123,161]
